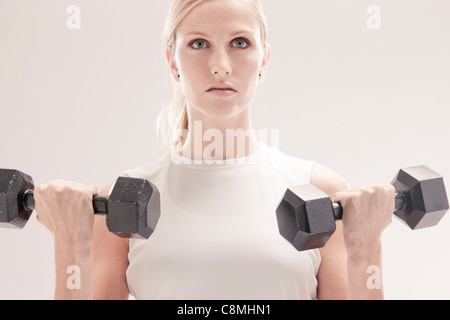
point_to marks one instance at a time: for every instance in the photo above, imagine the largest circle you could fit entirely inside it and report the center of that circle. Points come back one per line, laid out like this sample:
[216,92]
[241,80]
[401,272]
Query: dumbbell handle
[400,204]
[99,204]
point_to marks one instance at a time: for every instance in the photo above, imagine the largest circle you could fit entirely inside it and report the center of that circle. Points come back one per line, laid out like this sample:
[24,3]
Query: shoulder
[328,180]
[295,170]
[148,170]
[305,171]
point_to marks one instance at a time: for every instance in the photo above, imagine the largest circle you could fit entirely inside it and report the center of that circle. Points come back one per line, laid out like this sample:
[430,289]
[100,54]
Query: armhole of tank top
[311,170]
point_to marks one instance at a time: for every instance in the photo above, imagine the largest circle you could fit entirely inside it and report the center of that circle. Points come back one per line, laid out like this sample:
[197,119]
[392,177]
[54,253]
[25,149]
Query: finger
[92,190]
[339,197]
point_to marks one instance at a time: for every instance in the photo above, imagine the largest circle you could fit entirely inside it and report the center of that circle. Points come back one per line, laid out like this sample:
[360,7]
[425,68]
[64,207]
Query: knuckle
[56,189]
[390,189]
[387,191]
[38,189]
[354,197]
[378,188]
[368,191]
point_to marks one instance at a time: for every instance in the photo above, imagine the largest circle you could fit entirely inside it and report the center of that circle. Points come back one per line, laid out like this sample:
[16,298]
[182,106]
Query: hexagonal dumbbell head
[13,185]
[425,195]
[133,208]
[305,217]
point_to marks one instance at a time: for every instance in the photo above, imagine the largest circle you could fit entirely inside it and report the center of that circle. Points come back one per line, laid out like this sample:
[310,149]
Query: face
[219,56]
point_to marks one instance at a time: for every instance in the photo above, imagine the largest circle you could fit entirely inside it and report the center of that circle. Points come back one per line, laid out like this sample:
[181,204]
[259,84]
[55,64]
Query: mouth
[222,88]
[222,92]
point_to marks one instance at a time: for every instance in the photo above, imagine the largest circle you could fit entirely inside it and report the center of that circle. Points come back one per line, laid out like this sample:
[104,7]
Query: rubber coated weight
[307,217]
[13,184]
[132,209]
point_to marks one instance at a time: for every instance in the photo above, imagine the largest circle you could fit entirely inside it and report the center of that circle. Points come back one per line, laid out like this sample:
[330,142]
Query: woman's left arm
[368,210]
[351,260]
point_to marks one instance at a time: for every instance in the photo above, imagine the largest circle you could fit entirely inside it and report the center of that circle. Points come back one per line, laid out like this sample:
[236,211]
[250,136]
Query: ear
[172,65]
[265,59]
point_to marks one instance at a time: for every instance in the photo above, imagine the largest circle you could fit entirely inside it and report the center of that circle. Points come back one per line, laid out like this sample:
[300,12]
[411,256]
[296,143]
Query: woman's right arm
[90,262]
[65,208]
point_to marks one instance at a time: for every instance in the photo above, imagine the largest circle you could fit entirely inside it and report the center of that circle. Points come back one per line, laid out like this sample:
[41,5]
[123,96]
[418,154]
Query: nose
[220,63]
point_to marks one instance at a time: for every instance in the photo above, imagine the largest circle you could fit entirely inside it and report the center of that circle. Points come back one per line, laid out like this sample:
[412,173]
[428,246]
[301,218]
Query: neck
[219,140]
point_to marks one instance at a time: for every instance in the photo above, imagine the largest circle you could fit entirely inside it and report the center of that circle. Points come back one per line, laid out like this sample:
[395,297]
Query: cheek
[247,63]
[190,64]
[246,70]
[191,70]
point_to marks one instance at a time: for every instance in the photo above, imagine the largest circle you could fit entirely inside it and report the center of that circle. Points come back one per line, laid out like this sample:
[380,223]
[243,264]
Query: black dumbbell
[307,217]
[132,208]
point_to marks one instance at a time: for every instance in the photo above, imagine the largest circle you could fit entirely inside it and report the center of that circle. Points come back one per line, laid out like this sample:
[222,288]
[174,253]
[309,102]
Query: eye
[198,44]
[241,43]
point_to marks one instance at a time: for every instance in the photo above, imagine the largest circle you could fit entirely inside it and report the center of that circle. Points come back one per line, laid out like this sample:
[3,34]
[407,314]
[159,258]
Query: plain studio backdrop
[359,86]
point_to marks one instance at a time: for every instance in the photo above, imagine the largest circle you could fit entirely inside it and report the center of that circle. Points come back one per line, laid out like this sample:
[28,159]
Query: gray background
[81,105]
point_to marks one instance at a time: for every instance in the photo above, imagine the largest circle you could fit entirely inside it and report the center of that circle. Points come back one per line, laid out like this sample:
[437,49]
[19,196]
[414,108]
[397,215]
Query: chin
[225,111]
[221,110]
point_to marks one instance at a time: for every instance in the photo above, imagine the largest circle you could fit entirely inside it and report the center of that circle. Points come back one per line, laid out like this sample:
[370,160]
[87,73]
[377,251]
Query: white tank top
[217,237]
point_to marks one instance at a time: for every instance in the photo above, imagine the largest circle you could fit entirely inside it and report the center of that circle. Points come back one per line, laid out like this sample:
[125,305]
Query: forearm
[73,267]
[364,274]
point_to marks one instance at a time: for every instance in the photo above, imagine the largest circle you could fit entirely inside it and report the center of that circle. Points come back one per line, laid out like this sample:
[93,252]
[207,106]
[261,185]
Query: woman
[217,236]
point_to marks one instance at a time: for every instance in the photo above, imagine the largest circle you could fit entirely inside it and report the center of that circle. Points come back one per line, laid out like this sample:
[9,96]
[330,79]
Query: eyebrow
[198,33]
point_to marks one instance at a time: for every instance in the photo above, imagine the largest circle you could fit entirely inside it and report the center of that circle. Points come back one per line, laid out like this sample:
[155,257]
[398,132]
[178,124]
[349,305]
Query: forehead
[220,16]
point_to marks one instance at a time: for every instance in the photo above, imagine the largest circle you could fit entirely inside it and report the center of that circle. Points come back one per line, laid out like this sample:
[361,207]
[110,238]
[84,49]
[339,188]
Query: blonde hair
[172,123]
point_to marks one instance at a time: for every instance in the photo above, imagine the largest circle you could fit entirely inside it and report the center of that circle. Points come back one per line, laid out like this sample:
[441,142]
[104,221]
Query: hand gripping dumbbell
[132,208]
[307,217]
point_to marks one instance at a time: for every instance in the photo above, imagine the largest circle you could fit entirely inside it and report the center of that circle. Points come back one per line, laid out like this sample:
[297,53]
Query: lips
[222,87]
